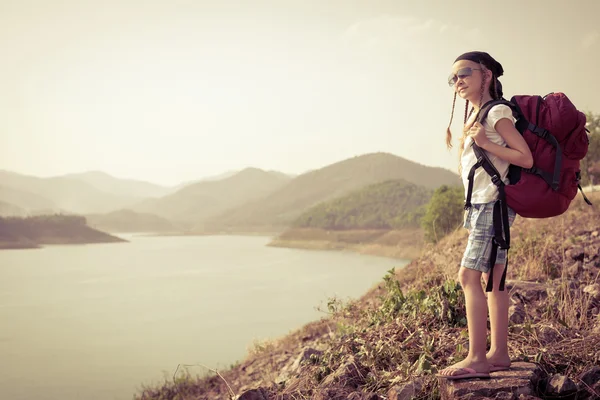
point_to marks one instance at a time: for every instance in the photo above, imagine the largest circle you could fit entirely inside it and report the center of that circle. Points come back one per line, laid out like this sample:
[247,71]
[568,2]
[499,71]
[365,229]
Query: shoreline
[367,249]
[405,244]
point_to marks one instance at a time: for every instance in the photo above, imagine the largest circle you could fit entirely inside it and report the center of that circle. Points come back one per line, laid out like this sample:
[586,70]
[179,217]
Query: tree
[590,171]
[444,212]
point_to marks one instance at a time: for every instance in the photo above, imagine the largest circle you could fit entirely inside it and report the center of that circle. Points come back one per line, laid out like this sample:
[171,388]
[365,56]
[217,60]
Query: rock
[363,396]
[516,314]
[589,384]
[593,290]
[575,253]
[331,394]
[562,387]
[548,334]
[405,392]
[254,394]
[351,373]
[521,379]
[289,370]
[305,355]
[574,269]
[534,292]
[505,396]
[595,234]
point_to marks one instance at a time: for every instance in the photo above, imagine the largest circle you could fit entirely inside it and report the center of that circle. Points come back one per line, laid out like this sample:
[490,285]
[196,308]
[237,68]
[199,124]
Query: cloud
[590,39]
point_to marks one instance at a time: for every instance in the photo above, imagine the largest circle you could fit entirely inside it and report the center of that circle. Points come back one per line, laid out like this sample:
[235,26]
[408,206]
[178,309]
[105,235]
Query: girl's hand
[477,132]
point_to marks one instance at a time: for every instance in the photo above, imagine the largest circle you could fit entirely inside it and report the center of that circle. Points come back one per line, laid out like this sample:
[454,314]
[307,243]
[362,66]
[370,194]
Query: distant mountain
[218,177]
[120,187]
[70,194]
[280,208]
[393,204]
[196,202]
[10,210]
[129,221]
[25,200]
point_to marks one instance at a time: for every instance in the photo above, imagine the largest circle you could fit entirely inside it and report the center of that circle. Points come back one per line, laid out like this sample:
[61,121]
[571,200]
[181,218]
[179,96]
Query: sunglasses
[461,74]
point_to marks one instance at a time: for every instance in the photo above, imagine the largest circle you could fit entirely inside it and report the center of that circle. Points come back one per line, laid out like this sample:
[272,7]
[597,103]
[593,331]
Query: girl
[474,78]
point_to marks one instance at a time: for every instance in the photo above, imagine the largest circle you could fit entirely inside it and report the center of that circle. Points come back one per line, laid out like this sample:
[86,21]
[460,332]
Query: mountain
[120,187]
[25,200]
[70,194]
[280,208]
[218,177]
[129,221]
[393,204]
[196,202]
[10,210]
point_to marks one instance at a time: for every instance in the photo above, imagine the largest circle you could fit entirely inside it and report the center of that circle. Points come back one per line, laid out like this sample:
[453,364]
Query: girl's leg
[476,305]
[498,303]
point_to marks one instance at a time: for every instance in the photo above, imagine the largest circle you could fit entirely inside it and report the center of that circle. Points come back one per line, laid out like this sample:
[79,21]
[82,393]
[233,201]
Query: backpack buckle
[495,180]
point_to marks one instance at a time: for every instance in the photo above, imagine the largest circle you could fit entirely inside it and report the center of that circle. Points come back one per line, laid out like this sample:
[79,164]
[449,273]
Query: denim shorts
[479,222]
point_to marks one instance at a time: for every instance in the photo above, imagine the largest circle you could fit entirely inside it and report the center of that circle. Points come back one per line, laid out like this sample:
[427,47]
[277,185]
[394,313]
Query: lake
[98,321]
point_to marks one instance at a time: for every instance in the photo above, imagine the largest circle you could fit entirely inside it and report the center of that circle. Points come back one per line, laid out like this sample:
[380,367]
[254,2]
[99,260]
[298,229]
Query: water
[98,321]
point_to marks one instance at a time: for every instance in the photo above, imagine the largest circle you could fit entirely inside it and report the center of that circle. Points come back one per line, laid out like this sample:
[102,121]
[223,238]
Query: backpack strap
[480,154]
[488,106]
[500,222]
[578,176]
[522,124]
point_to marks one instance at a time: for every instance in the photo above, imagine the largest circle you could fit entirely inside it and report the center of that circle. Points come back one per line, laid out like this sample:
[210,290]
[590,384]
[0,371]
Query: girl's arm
[516,153]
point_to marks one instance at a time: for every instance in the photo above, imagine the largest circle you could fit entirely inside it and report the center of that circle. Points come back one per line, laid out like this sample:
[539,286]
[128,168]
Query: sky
[171,91]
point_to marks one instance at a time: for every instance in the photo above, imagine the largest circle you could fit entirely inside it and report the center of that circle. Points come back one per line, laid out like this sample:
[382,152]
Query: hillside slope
[279,209]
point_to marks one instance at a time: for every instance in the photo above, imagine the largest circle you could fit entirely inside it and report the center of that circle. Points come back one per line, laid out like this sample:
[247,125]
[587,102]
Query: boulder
[521,379]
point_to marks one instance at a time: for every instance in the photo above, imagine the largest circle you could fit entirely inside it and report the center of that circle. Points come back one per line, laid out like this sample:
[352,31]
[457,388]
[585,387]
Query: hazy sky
[168,91]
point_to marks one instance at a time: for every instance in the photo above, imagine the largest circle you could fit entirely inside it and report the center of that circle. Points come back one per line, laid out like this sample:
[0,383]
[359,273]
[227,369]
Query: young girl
[474,78]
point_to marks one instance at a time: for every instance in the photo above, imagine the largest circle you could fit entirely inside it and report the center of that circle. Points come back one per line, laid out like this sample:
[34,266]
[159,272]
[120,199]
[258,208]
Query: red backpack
[556,135]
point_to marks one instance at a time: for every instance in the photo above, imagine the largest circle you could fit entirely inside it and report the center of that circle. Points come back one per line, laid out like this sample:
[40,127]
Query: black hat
[485,59]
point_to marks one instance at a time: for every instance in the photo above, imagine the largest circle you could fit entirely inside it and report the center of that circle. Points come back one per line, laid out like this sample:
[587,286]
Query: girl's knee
[468,277]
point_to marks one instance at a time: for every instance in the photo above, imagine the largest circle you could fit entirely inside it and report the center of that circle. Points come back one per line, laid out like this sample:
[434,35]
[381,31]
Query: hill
[383,218]
[25,200]
[129,221]
[393,204]
[10,210]
[400,333]
[120,187]
[196,202]
[282,207]
[32,232]
[63,193]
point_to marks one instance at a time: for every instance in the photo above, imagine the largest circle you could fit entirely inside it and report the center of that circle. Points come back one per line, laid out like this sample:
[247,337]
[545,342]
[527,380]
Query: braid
[494,93]
[482,89]
[448,133]
[466,112]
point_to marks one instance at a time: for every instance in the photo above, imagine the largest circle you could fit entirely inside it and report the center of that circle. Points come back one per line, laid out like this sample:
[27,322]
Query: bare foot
[457,369]
[497,361]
